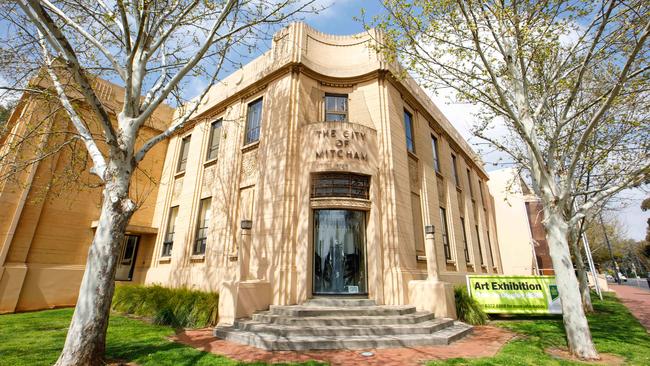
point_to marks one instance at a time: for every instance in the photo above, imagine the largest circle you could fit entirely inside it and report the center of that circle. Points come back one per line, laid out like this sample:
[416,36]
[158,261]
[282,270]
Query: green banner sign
[515,294]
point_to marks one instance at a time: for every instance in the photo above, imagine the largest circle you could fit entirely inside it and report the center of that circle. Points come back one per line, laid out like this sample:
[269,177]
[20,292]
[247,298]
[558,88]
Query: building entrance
[339,252]
[126,261]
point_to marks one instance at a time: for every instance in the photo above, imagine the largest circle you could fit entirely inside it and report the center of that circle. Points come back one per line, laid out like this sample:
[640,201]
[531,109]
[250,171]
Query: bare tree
[568,80]
[151,48]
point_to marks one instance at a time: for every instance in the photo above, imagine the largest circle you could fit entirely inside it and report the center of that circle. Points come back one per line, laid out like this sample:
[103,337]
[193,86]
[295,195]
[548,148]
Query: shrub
[178,307]
[467,308]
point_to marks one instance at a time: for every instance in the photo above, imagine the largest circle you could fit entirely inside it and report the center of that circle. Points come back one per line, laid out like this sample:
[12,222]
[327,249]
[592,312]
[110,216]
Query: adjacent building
[315,170]
[519,214]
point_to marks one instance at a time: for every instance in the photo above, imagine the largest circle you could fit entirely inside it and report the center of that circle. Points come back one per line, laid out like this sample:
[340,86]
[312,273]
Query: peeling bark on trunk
[575,321]
[86,340]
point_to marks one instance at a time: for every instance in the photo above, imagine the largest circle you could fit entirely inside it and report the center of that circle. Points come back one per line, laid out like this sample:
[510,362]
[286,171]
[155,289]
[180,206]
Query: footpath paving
[637,300]
[485,341]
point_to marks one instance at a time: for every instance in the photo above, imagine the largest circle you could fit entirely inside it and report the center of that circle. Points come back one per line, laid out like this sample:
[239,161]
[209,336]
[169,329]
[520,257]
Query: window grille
[340,185]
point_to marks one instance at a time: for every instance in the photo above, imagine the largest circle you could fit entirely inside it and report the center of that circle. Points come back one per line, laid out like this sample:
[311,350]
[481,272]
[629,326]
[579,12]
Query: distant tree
[150,47]
[568,80]
[5,112]
[595,232]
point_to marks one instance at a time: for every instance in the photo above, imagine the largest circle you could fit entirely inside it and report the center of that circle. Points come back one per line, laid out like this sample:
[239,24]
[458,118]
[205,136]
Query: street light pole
[609,246]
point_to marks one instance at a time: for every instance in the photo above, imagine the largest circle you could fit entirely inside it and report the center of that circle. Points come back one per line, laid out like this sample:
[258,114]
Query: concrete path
[485,341]
[637,300]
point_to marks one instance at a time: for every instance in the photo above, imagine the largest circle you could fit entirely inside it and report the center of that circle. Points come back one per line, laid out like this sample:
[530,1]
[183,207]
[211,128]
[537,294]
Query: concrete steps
[340,311]
[325,323]
[427,327]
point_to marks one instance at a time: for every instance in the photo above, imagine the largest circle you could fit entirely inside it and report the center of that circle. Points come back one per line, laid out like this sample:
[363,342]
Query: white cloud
[463,116]
[627,206]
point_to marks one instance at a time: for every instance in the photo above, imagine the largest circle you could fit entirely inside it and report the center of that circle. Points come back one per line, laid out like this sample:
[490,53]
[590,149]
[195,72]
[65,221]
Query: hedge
[178,307]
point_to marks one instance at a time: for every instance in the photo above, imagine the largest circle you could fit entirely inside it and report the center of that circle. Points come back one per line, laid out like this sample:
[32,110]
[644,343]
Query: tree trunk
[583,281]
[573,315]
[85,342]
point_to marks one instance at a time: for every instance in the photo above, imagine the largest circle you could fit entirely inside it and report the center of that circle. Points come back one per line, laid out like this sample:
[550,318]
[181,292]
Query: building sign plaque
[515,294]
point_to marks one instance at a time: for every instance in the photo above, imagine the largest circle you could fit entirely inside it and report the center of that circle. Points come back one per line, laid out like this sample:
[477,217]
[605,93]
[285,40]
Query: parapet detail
[343,57]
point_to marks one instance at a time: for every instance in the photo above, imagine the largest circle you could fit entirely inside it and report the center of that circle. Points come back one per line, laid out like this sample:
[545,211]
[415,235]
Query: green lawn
[613,328]
[34,339]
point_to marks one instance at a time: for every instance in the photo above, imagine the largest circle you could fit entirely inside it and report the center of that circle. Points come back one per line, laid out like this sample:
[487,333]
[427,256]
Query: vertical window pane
[182,159]
[480,250]
[465,246]
[408,128]
[253,122]
[336,107]
[469,182]
[215,140]
[203,221]
[168,242]
[454,169]
[445,233]
[418,229]
[434,147]
[490,249]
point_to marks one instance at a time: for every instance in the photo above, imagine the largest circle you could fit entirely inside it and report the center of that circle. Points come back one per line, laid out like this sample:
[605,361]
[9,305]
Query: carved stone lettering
[341,140]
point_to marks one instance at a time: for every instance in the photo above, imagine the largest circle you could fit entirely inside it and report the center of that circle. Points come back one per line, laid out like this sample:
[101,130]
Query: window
[480,250]
[340,185]
[215,140]
[434,148]
[490,249]
[418,229]
[408,128]
[469,183]
[465,246]
[336,107]
[445,233]
[182,159]
[168,243]
[253,122]
[454,169]
[480,189]
[202,226]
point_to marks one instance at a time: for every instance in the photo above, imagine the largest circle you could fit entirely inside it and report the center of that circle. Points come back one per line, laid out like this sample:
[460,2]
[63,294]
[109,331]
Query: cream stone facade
[316,171]
[47,227]
[522,237]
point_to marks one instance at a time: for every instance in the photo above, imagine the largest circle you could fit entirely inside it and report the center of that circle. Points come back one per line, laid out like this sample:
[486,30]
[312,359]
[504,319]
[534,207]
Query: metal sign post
[592,267]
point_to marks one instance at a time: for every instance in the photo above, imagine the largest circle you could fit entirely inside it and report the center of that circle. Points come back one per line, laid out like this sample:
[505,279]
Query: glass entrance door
[126,260]
[339,252]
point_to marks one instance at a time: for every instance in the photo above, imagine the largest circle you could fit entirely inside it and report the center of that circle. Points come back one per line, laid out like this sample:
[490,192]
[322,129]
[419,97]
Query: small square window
[336,107]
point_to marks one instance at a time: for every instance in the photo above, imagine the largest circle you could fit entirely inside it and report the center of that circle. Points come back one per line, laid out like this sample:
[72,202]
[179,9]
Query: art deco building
[314,170]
